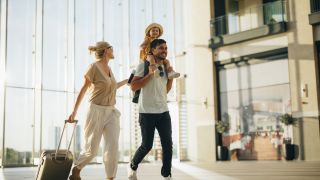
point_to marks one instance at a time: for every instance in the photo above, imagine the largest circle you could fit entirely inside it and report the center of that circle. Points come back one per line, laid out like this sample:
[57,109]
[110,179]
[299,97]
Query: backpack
[136,94]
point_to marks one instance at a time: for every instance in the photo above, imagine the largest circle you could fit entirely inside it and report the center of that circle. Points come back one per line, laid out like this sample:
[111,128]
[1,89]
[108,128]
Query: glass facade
[20,44]
[19,109]
[54,63]
[20,83]
[240,16]
[44,50]
[253,94]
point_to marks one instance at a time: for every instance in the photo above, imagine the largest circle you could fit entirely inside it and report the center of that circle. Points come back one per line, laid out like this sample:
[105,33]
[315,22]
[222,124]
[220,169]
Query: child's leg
[171,73]
[167,65]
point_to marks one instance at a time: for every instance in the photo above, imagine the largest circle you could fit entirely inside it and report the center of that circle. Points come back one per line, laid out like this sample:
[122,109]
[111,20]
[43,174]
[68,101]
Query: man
[153,110]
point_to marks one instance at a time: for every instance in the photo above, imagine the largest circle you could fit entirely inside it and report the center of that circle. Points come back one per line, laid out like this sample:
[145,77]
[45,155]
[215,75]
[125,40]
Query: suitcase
[56,164]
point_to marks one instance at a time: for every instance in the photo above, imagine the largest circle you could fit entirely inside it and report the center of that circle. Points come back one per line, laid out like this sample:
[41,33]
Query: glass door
[252,96]
[233,16]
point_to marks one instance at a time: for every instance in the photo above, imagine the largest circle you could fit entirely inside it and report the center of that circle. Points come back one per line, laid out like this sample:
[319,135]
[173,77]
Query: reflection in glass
[273,11]
[19,114]
[20,42]
[252,98]
[233,16]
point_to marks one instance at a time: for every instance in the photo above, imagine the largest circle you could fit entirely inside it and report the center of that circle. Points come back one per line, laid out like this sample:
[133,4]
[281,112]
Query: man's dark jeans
[148,124]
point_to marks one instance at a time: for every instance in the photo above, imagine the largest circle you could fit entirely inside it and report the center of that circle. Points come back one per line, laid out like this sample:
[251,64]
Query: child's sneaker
[132,174]
[173,74]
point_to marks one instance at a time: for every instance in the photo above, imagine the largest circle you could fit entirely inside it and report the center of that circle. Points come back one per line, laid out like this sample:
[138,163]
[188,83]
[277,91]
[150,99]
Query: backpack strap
[136,94]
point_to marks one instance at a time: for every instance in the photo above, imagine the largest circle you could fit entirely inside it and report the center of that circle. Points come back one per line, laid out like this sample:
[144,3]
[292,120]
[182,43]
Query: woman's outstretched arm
[121,83]
[83,91]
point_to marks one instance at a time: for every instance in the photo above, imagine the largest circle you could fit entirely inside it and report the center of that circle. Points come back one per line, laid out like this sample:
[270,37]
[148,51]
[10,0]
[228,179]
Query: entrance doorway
[253,94]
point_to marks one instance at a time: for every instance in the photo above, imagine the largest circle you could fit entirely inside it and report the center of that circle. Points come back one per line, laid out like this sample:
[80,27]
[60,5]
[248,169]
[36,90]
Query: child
[154,31]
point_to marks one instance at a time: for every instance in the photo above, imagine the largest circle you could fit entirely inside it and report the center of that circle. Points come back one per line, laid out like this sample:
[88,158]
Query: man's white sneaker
[167,178]
[173,74]
[132,174]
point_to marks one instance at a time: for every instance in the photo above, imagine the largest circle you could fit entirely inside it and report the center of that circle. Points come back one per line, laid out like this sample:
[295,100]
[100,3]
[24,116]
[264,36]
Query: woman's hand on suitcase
[72,117]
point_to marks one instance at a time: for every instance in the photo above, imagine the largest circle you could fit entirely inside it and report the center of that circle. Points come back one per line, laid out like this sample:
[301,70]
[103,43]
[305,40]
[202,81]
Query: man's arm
[139,82]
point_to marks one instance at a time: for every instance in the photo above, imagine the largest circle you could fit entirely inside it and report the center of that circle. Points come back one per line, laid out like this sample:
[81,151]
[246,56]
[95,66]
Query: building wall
[199,82]
[302,72]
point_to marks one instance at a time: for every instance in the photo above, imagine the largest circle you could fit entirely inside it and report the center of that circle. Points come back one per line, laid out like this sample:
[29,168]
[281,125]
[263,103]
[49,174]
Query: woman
[102,117]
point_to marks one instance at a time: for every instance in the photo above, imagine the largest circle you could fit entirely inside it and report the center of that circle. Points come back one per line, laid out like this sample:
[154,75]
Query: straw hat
[152,26]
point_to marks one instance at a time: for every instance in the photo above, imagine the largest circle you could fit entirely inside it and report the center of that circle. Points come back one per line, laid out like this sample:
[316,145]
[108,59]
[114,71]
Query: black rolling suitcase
[56,164]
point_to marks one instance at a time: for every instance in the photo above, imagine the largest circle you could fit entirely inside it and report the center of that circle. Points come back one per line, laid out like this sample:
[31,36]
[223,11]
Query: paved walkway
[244,170]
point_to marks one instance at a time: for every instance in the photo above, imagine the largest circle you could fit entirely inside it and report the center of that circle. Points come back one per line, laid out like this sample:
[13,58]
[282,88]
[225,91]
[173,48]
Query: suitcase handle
[74,121]
[64,127]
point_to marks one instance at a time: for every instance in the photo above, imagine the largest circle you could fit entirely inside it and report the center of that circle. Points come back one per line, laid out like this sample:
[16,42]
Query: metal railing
[249,18]
[315,6]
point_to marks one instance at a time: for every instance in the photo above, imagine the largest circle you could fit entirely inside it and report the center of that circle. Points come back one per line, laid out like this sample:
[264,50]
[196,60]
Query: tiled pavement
[246,170]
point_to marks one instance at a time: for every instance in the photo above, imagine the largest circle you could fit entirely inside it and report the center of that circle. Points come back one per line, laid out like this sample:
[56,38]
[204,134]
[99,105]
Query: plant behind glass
[287,120]
[223,125]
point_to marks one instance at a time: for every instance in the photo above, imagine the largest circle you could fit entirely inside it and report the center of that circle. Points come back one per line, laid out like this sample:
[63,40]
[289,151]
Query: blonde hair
[99,48]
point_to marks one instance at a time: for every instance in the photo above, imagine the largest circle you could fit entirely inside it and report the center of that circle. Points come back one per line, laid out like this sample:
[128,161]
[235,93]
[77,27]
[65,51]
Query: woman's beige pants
[101,120]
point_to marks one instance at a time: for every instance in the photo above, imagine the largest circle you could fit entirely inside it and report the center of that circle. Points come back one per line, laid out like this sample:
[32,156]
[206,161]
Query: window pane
[179,33]
[53,116]
[54,44]
[252,98]
[137,22]
[21,23]
[254,76]
[19,115]
[84,37]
